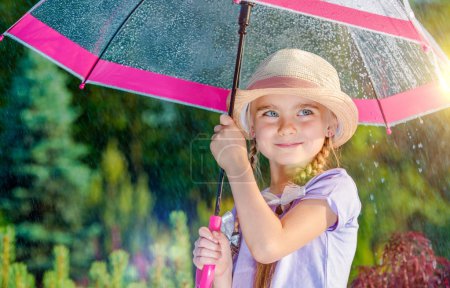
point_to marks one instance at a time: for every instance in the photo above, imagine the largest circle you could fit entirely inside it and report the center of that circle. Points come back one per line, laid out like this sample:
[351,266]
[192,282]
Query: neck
[278,178]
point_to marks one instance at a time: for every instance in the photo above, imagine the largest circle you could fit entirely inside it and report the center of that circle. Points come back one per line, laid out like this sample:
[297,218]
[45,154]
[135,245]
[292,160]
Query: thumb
[225,119]
[223,240]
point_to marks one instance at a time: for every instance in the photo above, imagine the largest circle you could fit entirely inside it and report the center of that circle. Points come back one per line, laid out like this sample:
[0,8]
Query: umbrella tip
[82,85]
[2,37]
[388,130]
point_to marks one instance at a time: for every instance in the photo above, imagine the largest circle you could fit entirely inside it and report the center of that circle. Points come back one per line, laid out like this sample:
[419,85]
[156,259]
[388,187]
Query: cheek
[316,145]
[313,129]
[262,129]
[264,136]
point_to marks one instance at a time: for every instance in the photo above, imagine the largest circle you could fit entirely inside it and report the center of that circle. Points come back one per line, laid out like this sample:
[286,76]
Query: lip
[288,145]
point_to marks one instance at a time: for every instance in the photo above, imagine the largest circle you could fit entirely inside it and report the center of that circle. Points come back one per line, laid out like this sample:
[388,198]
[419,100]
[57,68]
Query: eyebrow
[270,106]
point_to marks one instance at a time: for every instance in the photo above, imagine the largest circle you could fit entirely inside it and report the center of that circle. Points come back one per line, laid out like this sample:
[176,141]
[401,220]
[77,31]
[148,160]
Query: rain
[114,181]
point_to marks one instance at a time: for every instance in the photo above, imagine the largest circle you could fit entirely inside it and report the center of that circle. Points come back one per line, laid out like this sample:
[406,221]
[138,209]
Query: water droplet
[414,147]
[375,163]
[382,180]
[417,162]
[371,196]
[420,170]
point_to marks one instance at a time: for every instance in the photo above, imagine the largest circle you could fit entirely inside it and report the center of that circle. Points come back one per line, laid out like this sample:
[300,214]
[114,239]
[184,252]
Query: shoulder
[337,187]
[331,180]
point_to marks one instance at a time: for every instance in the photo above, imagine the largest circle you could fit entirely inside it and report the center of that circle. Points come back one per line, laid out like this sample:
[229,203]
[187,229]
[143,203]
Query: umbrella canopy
[184,51]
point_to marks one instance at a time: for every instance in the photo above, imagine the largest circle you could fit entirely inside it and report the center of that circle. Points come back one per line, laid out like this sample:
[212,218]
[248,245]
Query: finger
[217,128]
[199,262]
[204,252]
[206,233]
[221,238]
[225,119]
[208,244]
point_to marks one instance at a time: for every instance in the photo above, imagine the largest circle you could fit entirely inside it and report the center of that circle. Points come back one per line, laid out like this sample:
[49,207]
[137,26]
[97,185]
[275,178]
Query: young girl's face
[289,130]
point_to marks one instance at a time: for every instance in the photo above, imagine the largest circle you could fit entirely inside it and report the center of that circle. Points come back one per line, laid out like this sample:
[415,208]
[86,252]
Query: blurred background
[97,186]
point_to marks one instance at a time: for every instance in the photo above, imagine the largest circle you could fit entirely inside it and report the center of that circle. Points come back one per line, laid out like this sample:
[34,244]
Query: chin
[291,162]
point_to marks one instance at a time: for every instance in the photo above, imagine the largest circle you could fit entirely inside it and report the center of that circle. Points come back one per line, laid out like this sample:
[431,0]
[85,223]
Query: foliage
[396,194]
[42,179]
[408,261]
[59,276]
[180,251]
[121,207]
[139,149]
[171,265]
[12,274]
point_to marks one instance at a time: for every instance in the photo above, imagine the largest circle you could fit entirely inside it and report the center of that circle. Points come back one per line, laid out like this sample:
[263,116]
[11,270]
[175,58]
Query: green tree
[59,276]
[171,254]
[12,275]
[396,193]
[42,180]
[180,250]
[122,208]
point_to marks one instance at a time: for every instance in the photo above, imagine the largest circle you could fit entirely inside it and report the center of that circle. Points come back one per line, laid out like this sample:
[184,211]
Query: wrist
[223,280]
[241,169]
[240,173]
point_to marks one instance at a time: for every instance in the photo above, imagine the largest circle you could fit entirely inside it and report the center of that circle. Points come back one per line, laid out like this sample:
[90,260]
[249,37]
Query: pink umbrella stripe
[404,106]
[77,60]
[349,16]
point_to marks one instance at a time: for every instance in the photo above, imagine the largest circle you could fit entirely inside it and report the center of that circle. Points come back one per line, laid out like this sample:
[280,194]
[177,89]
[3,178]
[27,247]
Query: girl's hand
[229,148]
[212,249]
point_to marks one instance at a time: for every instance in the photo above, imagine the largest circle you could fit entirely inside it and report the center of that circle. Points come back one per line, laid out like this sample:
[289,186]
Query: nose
[286,127]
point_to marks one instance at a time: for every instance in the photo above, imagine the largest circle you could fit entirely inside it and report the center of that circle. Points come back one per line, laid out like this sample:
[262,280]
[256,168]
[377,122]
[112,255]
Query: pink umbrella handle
[205,277]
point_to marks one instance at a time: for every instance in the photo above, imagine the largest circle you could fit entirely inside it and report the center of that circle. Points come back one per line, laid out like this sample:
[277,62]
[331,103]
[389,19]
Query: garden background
[98,170]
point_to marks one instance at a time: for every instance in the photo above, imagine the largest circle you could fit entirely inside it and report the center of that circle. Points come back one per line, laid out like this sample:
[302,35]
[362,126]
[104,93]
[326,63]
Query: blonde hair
[264,272]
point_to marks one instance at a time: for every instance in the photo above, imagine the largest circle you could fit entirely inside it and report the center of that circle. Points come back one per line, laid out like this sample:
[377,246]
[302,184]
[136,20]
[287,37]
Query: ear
[332,126]
[330,132]
[252,132]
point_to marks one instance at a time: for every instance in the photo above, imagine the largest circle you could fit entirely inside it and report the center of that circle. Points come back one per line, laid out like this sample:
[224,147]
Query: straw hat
[300,73]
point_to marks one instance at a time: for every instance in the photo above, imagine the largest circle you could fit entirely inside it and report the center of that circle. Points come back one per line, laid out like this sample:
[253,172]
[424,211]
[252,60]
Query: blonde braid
[253,154]
[317,166]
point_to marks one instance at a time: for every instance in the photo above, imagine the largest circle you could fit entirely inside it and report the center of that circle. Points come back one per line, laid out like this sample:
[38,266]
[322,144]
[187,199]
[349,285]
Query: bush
[408,261]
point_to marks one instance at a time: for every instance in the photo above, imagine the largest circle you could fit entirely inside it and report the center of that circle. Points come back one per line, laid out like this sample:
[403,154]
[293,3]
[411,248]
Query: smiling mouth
[288,145]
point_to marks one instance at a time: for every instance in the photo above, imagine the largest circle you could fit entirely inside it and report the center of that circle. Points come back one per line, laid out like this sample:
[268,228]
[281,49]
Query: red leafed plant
[408,261]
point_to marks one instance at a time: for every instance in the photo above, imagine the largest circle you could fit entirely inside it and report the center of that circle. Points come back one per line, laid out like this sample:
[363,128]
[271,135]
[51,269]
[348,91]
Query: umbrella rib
[109,42]
[388,129]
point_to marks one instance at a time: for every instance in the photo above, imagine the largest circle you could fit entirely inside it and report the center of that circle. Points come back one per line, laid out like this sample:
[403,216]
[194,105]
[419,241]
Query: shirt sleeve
[341,194]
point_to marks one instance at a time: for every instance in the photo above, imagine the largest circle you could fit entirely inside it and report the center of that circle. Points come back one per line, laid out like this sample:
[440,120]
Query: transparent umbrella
[185,52]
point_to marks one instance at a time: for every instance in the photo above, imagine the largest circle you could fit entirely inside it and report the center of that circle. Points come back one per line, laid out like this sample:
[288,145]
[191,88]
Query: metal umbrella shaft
[244,21]
[205,277]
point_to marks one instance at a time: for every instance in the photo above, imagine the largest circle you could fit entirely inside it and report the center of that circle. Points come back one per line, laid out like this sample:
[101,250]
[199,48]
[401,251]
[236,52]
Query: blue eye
[306,112]
[270,113]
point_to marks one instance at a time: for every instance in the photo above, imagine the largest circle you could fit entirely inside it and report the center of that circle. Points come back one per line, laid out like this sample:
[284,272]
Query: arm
[269,238]
[224,281]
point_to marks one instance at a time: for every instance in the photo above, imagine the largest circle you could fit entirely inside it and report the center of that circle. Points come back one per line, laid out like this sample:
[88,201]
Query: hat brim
[337,102]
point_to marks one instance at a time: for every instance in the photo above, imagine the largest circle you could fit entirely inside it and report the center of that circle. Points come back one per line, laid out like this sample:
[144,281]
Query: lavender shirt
[326,260]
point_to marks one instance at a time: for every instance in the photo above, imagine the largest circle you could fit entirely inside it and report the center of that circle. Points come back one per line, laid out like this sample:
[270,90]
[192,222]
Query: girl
[302,230]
